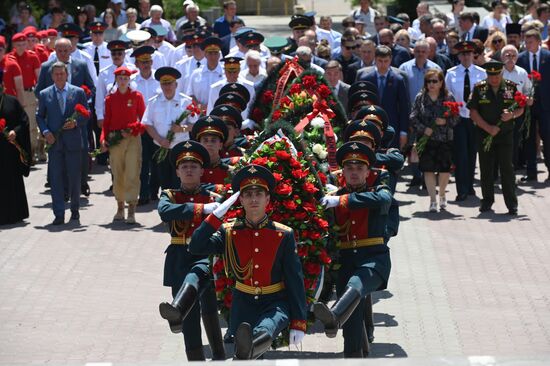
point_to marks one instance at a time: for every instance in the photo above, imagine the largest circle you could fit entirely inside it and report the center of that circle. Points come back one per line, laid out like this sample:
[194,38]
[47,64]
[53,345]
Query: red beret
[52,32]
[123,70]
[42,34]
[30,31]
[2,41]
[18,37]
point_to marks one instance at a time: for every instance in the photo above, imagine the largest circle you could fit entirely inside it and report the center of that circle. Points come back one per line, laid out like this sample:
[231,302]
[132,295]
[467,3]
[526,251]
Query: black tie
[535,66]
[466,85]
[198,64]
[96,61]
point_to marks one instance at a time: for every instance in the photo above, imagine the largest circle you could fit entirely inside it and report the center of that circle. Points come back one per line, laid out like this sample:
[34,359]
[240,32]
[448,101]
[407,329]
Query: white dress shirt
[454,80]
[201,80]
[186,67]
[531,59]
[519,76]
[215,93]
[161,113]
[147,87]
[102,51]
[256,80]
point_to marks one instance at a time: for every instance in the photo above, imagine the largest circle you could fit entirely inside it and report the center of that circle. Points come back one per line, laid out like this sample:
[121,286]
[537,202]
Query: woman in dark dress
[427,119]
[14,167]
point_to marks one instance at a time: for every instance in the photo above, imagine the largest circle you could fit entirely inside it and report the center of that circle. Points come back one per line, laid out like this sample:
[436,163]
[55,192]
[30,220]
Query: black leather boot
[196,354]
[180,307]
[248,347]
[340,312]
[369,321]
[213,331]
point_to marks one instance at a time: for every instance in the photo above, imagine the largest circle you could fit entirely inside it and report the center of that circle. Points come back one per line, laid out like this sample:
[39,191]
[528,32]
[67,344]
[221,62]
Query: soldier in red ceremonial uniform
[122,108]
[233,120]
[30,67]
[212,133]
[361,210]
[269,292]
[189,275]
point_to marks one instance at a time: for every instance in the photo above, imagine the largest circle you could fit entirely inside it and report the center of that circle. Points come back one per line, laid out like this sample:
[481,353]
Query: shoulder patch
[481,83]
[279,226]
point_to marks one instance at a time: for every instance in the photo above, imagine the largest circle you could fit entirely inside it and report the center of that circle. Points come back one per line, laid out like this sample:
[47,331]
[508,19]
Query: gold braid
[241,273]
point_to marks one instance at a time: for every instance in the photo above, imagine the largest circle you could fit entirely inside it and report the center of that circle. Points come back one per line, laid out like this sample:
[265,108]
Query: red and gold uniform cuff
[298,325]
[197,212]
[344,201]
[213,221]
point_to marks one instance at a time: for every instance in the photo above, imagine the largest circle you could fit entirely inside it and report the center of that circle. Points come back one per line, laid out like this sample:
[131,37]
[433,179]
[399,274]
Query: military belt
[266,290]
[360,243]
[180,240]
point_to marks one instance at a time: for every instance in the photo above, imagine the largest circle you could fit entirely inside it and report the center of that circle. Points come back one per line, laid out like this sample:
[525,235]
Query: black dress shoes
[461,197]
[143,201]
[75,215]
[513,211]
[58,221]
[485,206]
[528,178]
[85,190]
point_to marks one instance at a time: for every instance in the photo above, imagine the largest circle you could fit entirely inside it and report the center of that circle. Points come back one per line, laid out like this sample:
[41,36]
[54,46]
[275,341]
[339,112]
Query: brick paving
[462,284]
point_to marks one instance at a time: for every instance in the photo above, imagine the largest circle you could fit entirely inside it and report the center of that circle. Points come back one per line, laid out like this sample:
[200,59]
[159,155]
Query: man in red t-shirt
[33,44]
[29,63]
[12,79]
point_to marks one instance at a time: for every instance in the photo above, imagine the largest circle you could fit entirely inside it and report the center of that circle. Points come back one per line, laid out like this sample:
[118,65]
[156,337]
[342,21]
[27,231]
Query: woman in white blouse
[498,17]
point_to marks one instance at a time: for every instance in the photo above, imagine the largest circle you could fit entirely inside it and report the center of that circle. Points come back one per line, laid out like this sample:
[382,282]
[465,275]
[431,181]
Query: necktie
[60,100]
[535,66]
[198,64]
[96,61]
[466,85]
[381,86]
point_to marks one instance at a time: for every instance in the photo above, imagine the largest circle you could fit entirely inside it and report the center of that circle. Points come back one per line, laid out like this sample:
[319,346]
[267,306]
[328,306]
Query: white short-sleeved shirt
[454,80]
[201,80]
[519,76]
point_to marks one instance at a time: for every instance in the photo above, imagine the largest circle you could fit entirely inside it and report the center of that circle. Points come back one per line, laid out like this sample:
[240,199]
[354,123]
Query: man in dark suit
[56,105]
[333,74]
[346,56]
[229,41]
[392,92]
[366,53]
[470,30]
[400,54]
[79,75]
[536,58]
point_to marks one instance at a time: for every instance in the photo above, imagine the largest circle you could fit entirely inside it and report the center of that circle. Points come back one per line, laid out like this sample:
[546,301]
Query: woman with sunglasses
[480,58]
[494,45]
[427,119]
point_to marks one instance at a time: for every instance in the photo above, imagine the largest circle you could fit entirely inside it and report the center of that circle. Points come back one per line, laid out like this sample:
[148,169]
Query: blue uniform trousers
[64,168]
[542,122]
[465,149]
[149,174]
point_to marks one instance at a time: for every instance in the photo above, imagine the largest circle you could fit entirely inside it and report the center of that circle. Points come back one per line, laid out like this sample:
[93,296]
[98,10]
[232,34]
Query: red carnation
[310,187]
[309,81]
[81,110]
[300,215]
[286,102]
[322,178]
[278,177]
[314,235]
[304,234]
[218,266]
[2,124]
[257,114]
[283,189]
[299,174]
[312,268]
[308,206]
[535,75]
[294,164]
[323,224]
[324,91]
[276,115]
[289,205]
[520,99]
[324,257]
[302,250]
[260,161]
[282,155]
[86,90]
[308,283]
[295,89]
[136,128]
[268,97]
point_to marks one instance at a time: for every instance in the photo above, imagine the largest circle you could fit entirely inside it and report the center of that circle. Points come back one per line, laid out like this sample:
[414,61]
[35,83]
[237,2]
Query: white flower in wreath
[317,149]
[318,122]
[323,155]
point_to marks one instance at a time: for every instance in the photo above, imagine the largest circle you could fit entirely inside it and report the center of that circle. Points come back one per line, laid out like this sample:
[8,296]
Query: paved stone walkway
[462,284]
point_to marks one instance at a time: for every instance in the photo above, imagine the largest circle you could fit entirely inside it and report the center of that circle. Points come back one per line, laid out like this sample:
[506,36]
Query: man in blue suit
[537,58]
[56,105]
[78,75]
[392,92]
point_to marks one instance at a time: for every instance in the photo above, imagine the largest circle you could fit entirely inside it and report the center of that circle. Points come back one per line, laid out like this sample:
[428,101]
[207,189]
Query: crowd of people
[169,109]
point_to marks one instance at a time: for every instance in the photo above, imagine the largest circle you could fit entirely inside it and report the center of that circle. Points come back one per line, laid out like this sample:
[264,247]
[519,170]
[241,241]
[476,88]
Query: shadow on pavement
[122,226]
[437,216]
[386,350]
[491,216]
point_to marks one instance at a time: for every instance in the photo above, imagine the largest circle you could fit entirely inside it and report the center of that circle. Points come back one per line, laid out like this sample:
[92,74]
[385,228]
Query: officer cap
[143,53]
[138,36]
[276,44]
[311,15]
[465,46]
[300,22]
[228,114]
[161,31]
[397,20]
[211,44]
[362,98]
[209,125]
[243,31]
[98,27]
[117,45]
[236,88]
[69,30]
[189,27]
[150,30]
[124,71]
[232,63]
[189,151]
[167,74]
[363,129]
[252,39]
[493,67]
[253,176]
[355,152]
[513,28]
[234,100]
[376,111]
[362,86]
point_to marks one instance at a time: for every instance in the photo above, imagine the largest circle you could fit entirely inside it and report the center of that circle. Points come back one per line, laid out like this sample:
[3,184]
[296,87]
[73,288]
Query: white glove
[296,336]
[331,187]
[224,207]
[248,123]
[330,201]
[210,207]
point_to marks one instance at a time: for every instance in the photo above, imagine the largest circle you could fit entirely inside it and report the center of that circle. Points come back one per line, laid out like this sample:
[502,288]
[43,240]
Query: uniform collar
[362,188]
[260,225]
[191,192]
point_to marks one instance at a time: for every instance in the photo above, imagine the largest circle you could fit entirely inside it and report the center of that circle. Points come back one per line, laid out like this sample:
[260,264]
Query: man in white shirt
[200,81]
[156,19]
[254,72]
[159,118]
[325,31]
[366,14]
[187,65]
[164,47]
[460,81]
[97,48]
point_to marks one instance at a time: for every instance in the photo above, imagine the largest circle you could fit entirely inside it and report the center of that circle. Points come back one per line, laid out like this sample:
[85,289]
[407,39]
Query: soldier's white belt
[266,290]
[360,243]
[180,240]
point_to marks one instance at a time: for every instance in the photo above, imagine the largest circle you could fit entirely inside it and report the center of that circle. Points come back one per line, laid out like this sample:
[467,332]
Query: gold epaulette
[281,227]
[215,195]
[170,194]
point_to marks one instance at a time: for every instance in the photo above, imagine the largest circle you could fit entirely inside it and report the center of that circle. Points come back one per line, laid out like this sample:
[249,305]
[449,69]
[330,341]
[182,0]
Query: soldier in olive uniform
[488,106]
[189,275]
